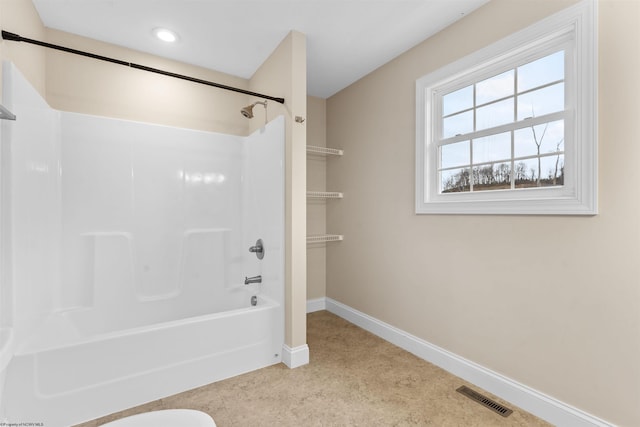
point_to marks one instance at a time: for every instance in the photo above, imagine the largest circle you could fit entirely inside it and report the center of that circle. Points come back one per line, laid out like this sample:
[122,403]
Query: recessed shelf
[324,195]
[321,238]
[314,149]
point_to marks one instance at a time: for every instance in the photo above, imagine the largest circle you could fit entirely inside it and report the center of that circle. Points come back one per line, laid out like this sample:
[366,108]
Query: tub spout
[254,279]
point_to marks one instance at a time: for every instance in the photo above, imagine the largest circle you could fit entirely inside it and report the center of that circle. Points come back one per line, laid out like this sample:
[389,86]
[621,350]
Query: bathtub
[65,376]
[124,249]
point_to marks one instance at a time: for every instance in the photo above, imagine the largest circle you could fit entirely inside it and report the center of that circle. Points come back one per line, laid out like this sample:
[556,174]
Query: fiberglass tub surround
[129,247]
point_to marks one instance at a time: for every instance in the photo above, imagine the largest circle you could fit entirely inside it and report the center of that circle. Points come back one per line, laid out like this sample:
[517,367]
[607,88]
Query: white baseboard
[532,401]
[295,357]
[316,304]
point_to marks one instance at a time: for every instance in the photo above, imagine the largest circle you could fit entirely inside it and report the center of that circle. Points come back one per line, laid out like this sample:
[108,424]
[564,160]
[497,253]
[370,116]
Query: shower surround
[124,253]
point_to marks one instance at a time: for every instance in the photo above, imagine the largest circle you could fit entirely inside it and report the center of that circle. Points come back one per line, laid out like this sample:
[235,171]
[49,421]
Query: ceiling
[346,39]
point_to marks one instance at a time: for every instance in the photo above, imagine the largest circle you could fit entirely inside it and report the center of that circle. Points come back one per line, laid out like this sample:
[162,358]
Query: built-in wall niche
[321,196]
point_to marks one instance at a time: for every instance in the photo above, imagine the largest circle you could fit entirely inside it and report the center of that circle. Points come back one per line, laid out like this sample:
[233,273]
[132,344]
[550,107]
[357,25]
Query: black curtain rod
[16,38]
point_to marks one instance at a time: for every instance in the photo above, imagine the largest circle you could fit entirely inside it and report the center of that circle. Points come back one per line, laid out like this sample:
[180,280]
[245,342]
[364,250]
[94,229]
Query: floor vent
[485,401]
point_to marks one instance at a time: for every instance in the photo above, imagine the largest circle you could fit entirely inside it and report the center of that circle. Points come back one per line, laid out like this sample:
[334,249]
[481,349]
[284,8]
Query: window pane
[454,155]
[457,125]
[459,100]
[454,181]
[542,71]
[526,173]
[492,148]
[540,172]
[541,102]
[549,136]
[495,114]
[554,166]
[496,87]
[492,177]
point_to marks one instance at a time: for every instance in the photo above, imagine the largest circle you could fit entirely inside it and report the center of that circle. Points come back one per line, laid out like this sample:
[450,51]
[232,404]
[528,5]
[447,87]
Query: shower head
[248,110]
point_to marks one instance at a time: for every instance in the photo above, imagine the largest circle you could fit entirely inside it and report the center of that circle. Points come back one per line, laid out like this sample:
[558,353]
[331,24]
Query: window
[511,129]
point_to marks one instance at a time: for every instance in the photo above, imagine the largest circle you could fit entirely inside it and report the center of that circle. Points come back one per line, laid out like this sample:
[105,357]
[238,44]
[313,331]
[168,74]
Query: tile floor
[353,379]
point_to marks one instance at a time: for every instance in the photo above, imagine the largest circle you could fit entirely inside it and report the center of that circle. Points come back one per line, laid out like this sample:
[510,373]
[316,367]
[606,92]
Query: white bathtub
[124,248]
[71,379]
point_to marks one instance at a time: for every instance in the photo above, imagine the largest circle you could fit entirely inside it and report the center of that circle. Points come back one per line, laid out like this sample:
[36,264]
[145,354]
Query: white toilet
[165,418]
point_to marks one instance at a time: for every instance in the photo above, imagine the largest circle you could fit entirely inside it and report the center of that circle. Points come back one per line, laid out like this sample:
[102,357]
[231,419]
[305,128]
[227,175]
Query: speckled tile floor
[353,379]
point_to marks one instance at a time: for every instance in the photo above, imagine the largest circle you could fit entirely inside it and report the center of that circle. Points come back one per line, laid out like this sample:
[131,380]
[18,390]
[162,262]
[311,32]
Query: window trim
[578,196]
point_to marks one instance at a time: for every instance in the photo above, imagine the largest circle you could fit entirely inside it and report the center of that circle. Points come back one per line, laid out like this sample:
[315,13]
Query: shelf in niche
[321,238]
[314,149]
[324,195]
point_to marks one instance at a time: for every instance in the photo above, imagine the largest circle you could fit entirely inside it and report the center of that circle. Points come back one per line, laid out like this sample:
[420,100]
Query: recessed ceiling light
[165,35]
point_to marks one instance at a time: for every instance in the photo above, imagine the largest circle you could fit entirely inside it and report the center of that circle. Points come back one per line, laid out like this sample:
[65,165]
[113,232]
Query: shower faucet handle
[258,249]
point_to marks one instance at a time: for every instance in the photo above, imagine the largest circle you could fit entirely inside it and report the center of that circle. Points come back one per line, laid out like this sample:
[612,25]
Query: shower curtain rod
[16,38]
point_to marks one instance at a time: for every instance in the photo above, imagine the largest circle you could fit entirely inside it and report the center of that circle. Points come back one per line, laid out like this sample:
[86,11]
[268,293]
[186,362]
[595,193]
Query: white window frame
[574,30]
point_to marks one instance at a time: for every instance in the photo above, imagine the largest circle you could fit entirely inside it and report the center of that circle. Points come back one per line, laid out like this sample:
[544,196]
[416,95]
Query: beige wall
[20,17]
[316,208]
[551,302]
[284,74]
[80,84]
